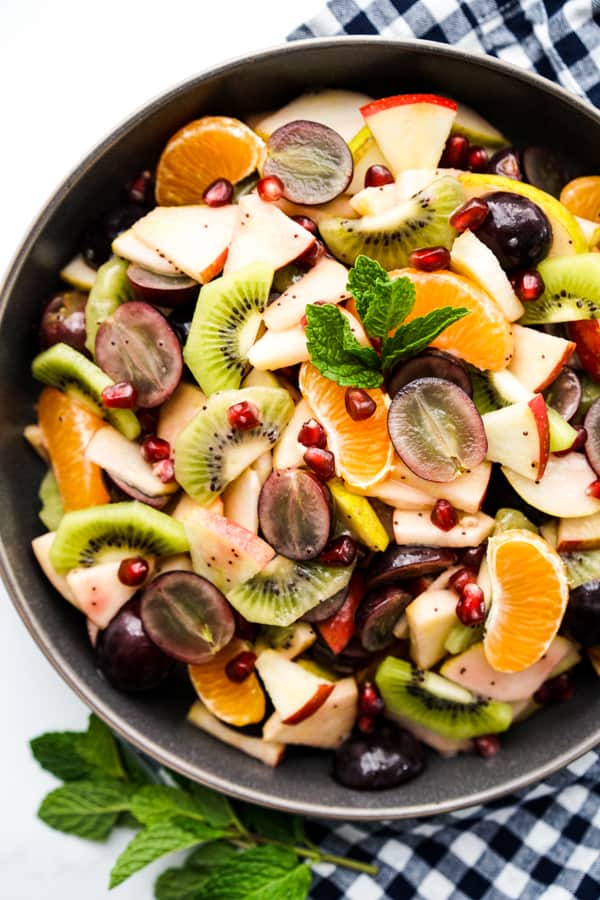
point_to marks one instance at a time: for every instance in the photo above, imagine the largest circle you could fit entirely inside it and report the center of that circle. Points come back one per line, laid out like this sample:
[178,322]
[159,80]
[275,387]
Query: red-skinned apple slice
[538,357]
[327,727]
[563,491]
[586,335]
[264,234]
[413,527]
[99,593]
[295,692]
[324,282]
[337,631]
[519,437]
[193,238]
[466,492]
[578,534]
[411,129]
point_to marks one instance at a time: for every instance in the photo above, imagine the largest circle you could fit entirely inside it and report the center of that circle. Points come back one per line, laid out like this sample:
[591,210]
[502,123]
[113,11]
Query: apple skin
[312,705]
[538,358]
[376,106]
[586,335]
[337,631]
[537,405]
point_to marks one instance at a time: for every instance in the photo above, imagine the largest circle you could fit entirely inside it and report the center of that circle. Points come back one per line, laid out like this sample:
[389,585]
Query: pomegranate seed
[471,215]
[312,434]
[312,254]
[478,159]
[487,745]
[219,193]
[165,470]
[443,515]
[133,571]
[148,419]
[341,551]
[472,557]
[528,285]
[594,489]
[461,579]
[456,152]
[580,439]
[359,405]
[428,259]
[119,396]
[470,608]
[243,416]
[141,189]
[322,462]
[366,724]
[241,666]
[270,188]
[370,702]
[307,223]
[154,449]
[377,176]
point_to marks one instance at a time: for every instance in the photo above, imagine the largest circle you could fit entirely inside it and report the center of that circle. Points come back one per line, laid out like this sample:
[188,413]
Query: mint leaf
[213,853]
[413,337]
[363,279]
[180,884]
[155,841]
[389,306]
[88,809]
[335,352]
[215,808]
[262,873]
[56,753]
[137,770]
[277,826]
[159,803]
[98,747]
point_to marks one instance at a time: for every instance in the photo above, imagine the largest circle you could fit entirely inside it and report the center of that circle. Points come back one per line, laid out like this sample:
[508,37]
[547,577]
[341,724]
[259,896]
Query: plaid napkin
[543,842]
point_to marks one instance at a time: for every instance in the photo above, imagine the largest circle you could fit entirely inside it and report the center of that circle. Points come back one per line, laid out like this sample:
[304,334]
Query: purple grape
[294,511]
[63,320]
[506,162]
[377,615]
[407,561]
[384,759]
[126,655]
[326,608]
[430,364]
[96,244]
[516,230]
[162,290]
[582,618]
[591,423]
[564,394]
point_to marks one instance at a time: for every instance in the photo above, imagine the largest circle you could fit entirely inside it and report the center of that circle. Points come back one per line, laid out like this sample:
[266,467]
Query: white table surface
[69,72]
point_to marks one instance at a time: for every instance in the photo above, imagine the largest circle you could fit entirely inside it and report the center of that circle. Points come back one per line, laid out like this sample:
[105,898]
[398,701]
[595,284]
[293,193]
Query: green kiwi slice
[285,590]
[210,452]
[439,704]
[225,324]
[571,293]
[582,566]
[52,509]
[86,537]
[110,289]
[70,371]
[389,237]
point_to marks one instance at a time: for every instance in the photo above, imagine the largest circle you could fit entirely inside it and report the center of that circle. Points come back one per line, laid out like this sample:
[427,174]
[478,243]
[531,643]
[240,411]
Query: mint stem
[317,855]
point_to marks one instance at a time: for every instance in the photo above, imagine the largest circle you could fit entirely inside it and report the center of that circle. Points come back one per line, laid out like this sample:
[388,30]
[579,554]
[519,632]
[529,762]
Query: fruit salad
[321,420]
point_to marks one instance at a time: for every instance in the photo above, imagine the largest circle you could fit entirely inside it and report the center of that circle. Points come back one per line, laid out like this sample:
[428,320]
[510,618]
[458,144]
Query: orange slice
[202,151]
[68,427]
[582,197]
[529,597]
[484,337]
[236,703]
[363,450]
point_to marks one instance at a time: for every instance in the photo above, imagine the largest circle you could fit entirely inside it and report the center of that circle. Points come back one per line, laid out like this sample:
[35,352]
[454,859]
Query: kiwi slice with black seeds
[70,371]
[226,321]
[389,237]
[571,290]
[86,537]
[582,566]
[210,452]
[431,700]
[285,590]
[110,289]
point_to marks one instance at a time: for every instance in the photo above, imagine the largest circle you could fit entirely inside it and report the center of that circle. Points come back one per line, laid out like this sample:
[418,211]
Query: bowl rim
[72,679]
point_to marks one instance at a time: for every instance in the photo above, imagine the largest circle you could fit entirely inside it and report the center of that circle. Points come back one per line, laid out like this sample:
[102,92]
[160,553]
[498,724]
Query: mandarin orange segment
[237,703]
[529,597]
[68,427]
[484,337]
[582,197]
[202,151]
[363,450]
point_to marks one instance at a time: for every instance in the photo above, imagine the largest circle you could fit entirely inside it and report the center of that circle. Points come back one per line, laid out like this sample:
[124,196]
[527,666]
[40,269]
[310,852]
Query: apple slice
[124,463]
[98,591]
[186,508]
[128,246]
[178,562]
[288,452]
[295,692]
[326,728]
[563,491]
[445,746]
[411,129]
[467,492]
[538,357]
[474,259]
[78,274]
[193,238]
[41,549]
[339,109]
[412,527]
[240,499]
[264,234]
[178,411]
[578,534]
[478,130]
[324,282]
[518,436]
[269,752]
[431,617]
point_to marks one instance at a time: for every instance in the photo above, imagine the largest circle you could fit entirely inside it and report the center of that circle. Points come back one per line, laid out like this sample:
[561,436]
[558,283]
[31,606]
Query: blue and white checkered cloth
[543,842]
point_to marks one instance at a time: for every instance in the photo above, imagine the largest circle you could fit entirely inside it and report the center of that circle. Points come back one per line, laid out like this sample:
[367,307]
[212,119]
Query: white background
[70,71]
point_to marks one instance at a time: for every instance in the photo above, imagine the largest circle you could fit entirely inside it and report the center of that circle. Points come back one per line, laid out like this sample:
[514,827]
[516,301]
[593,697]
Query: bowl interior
[157,723]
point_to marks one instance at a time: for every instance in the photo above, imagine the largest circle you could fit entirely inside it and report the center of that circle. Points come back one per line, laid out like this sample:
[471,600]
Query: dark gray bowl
[519,104]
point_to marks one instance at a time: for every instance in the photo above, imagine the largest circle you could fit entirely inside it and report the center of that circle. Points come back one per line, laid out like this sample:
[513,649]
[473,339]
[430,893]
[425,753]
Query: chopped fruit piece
[339,109]
[472,258]
[78,274]
[337,631]
[562,492]
[587,342]
[202,151]
[358,514]
[476,128]
[365,153]
[538,357]
[465,492]
[518,436]
[412,527]
[362,450]
[128,246]
[270,753]
[270,188]
[295,692]
[289,450]
[324,282]
[100,592]
[290,642]
[328,727]
[483,338]
[41,549]
[529,597]
[219,193]
[264,234]
[178,411]
[341,551]
[581,196]
[67,428]
[506,162]
[240,499]
[578,534]
[431,616]
[235,702]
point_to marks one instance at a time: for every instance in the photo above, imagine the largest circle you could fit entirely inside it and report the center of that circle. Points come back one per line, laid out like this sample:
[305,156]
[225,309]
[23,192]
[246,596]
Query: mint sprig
[382,304]
[237,850]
